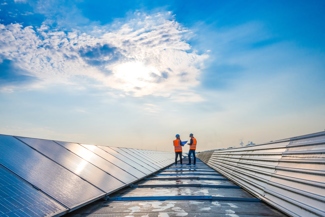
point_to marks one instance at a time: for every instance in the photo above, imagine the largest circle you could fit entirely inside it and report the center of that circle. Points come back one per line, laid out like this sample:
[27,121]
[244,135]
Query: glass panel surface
[133,171]
[125,159]
[74,163]
[140,158]
[45,174]
[155,159]
[166,157]
[145,156]
[130,156]
[17,197]
[99,162]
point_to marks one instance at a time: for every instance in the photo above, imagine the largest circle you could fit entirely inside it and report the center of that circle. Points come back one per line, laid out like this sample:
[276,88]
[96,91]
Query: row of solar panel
[46,178]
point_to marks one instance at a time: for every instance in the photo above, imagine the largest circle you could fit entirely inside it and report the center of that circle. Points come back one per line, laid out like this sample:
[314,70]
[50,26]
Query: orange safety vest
[177,144]
[193,146]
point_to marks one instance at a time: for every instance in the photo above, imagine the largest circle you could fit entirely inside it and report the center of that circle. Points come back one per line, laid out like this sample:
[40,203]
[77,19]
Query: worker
[178,149]
[192,145]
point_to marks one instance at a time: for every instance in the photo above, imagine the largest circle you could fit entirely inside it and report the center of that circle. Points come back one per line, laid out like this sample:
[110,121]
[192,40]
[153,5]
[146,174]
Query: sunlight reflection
[81,166]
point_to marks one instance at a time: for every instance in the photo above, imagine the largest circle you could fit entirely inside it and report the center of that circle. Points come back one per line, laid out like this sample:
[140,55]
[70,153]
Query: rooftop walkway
[180,191]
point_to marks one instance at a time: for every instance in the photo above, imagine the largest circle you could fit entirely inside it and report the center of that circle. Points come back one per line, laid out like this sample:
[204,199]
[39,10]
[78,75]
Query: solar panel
[156,160]
[141,158]
[74,163]
[19,198]
[125,159]
[130,156]
[162,158]
[148,158]
[64,186]
[157,156]
[138,174]
[166,158]
[136,155]
[99,162]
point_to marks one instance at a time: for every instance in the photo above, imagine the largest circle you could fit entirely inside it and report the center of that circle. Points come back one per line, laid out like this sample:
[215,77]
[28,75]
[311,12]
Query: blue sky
[135,73]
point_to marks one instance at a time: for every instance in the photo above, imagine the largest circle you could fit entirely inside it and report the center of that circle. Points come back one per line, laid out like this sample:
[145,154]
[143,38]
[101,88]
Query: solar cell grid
[18,197]
[40,171]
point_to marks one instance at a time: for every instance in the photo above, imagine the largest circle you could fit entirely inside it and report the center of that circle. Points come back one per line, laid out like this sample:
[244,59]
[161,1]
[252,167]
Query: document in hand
[183,143]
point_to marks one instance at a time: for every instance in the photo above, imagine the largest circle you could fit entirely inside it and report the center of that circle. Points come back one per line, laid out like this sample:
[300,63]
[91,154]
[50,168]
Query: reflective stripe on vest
[177,144]
[193,146]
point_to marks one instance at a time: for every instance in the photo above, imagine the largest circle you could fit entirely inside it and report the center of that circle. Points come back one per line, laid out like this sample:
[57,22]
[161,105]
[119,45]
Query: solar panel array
[50,178]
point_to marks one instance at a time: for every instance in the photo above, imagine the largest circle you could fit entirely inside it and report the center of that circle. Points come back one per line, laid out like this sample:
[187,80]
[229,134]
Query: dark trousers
[191,152]
[180,156]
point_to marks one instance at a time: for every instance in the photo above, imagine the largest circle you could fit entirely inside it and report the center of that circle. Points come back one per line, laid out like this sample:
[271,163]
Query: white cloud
[145,55]
[151,108]
[20,1]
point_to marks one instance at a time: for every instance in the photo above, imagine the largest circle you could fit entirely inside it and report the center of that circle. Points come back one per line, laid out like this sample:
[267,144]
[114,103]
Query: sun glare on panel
[81,167]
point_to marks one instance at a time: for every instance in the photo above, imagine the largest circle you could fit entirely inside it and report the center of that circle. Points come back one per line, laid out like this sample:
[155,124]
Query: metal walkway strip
[194,168]
[183,167]
[191,177]
[185,185]
[189,170]
[188,174]
[184,198]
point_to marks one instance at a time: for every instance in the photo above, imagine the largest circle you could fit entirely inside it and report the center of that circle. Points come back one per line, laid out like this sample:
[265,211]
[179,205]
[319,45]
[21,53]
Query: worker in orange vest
[178,148]
[192,145]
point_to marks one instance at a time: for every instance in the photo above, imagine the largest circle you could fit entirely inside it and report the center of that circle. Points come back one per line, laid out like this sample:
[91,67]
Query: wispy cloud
[20,1]
[141,55]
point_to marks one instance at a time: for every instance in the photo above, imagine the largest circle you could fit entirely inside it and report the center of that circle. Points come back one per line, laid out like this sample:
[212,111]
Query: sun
[135,74]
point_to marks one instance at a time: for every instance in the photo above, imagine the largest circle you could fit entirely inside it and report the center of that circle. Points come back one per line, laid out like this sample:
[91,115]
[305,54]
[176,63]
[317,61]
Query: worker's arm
[191,142]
